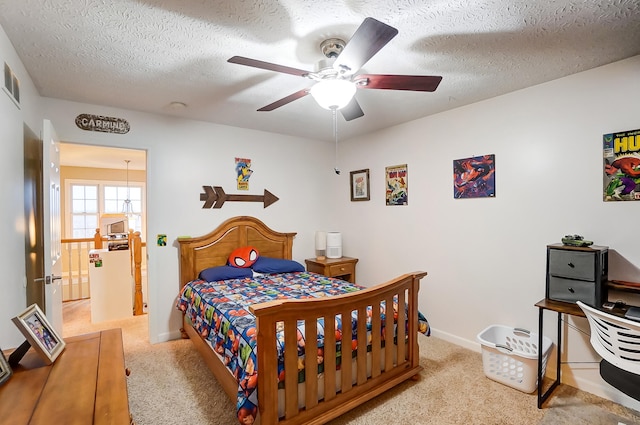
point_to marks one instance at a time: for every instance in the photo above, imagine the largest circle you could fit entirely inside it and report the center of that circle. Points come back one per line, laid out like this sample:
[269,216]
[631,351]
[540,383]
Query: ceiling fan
[337,73]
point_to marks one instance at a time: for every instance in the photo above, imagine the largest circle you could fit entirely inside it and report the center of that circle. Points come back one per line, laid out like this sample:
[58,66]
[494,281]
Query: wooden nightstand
[343,268]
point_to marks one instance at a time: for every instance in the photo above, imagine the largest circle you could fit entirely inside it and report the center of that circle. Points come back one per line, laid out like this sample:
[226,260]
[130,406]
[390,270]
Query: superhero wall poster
[621,166]
[474,177]
[243,173]
[397,185]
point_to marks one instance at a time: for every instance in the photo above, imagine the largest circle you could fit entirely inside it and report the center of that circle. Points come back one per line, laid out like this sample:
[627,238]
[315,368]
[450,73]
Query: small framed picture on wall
[474,177]
[397,185]
[360,185]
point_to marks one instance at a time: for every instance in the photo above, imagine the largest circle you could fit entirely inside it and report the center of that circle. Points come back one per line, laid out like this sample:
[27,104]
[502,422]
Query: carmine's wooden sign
[102,124]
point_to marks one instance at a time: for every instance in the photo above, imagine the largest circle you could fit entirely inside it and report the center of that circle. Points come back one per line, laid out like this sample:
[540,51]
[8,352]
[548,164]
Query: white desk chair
[617,341]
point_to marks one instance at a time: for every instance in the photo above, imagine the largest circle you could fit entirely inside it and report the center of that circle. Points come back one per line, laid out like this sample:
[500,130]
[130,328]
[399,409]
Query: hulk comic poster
[621,166]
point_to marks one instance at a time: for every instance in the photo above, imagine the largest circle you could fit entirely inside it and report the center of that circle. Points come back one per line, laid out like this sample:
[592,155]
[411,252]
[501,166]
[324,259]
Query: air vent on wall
[11,85]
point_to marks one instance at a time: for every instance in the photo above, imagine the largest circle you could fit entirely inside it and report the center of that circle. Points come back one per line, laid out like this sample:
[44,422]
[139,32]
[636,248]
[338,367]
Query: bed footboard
[389,365]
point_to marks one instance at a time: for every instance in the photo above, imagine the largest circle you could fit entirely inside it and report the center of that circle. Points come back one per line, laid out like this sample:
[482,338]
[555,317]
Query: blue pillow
[213,274]
[276,265]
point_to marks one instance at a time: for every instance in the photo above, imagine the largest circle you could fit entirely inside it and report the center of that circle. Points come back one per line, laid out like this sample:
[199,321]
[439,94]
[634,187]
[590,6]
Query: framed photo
[43,338]
[397,185]
[360,185]
[474,177]
[5,369]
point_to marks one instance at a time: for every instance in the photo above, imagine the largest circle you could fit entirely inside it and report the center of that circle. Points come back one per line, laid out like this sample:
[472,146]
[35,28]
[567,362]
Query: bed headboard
[213,249]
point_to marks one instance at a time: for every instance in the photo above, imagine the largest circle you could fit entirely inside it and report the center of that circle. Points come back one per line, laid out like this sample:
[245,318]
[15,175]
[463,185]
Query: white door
[52,230]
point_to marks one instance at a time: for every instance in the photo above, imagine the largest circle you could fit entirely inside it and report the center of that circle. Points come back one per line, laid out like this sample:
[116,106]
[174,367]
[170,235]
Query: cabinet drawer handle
[571,265]
[571,290]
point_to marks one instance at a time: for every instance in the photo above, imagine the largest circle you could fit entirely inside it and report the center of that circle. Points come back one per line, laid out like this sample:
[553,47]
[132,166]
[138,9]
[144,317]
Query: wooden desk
[573,310]
[559,307]
[86,385]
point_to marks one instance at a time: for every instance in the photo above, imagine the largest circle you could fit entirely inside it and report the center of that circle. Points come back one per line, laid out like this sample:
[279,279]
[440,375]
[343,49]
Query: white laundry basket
[510,356]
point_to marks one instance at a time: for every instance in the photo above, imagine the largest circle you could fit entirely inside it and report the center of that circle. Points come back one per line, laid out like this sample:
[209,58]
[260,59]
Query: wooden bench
[86,385]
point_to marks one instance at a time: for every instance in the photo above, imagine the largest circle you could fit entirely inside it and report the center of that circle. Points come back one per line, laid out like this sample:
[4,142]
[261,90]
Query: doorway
[106,171]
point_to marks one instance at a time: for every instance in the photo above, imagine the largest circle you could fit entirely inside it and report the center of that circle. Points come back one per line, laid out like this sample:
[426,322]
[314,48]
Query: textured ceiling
[145,54]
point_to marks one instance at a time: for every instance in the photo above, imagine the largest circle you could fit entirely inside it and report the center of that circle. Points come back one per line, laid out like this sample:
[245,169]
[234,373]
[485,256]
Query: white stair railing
[75,265]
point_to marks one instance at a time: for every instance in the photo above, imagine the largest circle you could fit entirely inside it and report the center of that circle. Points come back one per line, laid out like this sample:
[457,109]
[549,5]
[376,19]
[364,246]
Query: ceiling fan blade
[278,103]
[397,82]
[268,66]
[369,38]
[352,110]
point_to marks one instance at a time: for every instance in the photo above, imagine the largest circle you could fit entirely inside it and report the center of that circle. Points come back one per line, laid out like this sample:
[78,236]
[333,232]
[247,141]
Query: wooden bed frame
[390,364]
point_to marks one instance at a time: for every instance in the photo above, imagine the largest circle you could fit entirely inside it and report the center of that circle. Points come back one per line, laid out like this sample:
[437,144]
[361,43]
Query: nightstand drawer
[572,264]
[341,269]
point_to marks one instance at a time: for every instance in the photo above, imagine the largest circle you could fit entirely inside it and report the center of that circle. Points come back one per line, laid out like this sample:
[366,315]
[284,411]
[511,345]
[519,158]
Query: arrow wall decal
[214,197]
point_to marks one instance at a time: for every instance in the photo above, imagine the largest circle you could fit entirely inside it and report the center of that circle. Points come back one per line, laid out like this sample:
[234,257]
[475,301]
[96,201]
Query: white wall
[486,257]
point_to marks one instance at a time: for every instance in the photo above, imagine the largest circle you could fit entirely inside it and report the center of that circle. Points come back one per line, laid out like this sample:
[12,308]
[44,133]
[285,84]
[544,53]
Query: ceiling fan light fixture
[333,94]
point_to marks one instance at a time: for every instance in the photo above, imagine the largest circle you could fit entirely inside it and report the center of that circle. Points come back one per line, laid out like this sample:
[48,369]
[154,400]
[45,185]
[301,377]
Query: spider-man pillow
[243,257]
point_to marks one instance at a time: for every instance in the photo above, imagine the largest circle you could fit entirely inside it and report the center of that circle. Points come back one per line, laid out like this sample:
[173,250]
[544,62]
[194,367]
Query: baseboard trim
[168,336]
[454,339]
[606,391]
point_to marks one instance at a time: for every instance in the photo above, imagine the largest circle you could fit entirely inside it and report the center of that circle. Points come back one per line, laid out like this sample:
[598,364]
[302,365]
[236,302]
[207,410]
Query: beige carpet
[170,384]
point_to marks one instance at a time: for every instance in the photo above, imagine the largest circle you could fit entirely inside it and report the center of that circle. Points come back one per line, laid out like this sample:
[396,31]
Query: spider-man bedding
[219,311]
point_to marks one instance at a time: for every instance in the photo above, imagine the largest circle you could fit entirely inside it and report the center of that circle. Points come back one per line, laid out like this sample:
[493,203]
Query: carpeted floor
[170,384]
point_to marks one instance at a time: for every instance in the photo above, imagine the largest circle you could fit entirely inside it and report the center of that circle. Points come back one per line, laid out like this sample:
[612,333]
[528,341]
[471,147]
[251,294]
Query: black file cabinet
[577,274]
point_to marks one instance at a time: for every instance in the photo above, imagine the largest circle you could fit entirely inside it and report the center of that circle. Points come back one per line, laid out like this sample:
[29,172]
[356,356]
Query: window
[85,214]
[88,200]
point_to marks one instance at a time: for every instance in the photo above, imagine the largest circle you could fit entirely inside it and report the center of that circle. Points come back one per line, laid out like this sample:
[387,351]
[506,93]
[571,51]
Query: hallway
[76,318]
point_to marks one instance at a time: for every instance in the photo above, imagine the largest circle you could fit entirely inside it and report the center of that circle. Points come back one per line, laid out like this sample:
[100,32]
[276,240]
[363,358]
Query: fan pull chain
[335,135]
